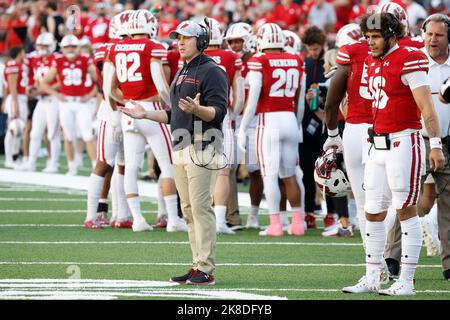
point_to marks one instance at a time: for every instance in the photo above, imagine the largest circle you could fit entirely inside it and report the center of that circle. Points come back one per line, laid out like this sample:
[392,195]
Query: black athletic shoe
[182,279]
[446,274]
[393,267]
[201,278]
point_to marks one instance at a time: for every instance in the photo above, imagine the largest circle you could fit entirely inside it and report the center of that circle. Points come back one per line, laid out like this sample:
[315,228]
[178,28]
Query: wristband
[333,133]
[435,143]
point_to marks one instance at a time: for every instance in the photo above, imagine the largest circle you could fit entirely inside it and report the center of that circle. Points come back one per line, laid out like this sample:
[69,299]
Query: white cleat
[252,222]
[179,225]
[363,286]
[222,228]
[25,166]
[10,164]
[141,225]
[50,169]
[400,288]
[71,172]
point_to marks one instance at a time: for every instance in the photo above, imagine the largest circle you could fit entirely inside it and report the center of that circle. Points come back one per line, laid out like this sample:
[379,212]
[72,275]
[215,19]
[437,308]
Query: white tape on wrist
[435,143]
[333,133]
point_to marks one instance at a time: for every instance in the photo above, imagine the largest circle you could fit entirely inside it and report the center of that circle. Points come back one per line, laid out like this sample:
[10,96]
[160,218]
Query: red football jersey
[131,58]
[37,67]
[394,108]
[281,78]
[100,56]
[359,100]
[97,30]
[408,41]
[12,67]
[173,56]
[72,74]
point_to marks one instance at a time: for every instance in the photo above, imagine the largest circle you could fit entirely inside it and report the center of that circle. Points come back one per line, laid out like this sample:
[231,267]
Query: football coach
[198,96]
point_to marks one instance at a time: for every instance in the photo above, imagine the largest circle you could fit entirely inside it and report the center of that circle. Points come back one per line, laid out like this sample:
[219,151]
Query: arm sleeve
[214,92]
[255,79]
[169,114]
[108,73]
[415,79]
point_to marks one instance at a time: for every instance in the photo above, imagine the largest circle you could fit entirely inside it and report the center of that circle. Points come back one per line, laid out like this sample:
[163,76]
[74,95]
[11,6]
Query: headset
[443,17]
[203,39]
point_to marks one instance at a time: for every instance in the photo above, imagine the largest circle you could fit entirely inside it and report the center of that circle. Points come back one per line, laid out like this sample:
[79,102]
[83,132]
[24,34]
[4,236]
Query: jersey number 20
[287,83]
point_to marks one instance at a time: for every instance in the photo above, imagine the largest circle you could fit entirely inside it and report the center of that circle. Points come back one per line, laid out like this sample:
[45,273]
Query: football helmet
[292,42]
[122,24]
[270,36]
[141,22]
[215,32]
[16,127]
[348,34]
[396,10]
[244,31]
[69,41]
[330,174]
[46,39]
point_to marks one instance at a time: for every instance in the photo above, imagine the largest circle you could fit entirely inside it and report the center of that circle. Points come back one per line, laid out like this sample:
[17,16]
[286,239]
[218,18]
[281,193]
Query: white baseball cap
[188,29]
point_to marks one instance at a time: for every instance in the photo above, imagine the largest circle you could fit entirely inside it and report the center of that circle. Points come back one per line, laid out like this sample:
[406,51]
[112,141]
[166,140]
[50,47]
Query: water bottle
[314,104]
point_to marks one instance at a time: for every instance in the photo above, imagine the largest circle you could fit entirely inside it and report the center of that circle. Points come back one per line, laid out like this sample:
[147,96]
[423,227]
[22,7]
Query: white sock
[93,163]
[122,203]
[375,243]
[220,212]
[361,216]
[162,210]
[254,211]
[9,141]
[35,144]
[94,189]
[135,208]
[411,245]
[55,148]
[114,200]
[390,219]
[171,202]
[272,191]
[284,218]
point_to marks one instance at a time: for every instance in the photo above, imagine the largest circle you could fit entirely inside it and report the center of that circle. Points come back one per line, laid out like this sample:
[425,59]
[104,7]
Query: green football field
[45,253]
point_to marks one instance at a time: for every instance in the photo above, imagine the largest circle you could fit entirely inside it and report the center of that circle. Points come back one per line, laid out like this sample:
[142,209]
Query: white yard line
[187,263]
[44,199]
[237,243]
[55,210]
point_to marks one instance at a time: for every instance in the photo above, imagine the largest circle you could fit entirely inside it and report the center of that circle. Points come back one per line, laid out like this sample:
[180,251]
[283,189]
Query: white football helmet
[348,34]
[396,10]
[46,39]
[16,127]
[67,41]
[122,23]
[270,36]
[330,175]
[141,22]
[215,32]
[292,42]
[244,31]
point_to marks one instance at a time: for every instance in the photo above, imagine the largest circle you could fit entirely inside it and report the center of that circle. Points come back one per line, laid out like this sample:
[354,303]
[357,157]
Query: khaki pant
[195,185]
[232,216]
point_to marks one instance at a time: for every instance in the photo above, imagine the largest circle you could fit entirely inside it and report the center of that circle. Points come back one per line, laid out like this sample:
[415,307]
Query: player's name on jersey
[283,62]
[130,47]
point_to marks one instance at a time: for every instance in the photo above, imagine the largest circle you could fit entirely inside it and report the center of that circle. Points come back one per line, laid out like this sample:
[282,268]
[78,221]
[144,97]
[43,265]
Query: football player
[275,78]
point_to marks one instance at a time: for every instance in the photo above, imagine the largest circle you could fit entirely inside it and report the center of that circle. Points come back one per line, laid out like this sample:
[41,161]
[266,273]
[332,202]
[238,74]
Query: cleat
[50,169]
[141,225]
[297,229]
[182,279]
[11,164]
[252,222]
[329,221]
[126,224]
[235,227]
[102,218]
[201,278]
[71,172]
[399,288]
[91,224]
[310,221]
[179,225]
[112,223]
[362,286]
[161,222]
[337,230]
[384,272]
[25,166]
[273,230]
[223,229]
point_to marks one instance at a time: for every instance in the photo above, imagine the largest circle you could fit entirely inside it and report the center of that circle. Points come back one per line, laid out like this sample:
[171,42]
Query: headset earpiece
[446,21]
[203,39]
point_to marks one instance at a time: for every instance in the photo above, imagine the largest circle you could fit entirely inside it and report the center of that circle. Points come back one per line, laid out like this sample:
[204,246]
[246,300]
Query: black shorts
[31,106]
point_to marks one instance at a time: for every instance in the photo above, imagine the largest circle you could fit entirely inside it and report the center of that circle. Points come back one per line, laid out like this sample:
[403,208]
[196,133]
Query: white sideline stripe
[44,199]
[185,243]
[146,189]
[187,263]
[41,225]
[55,211]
